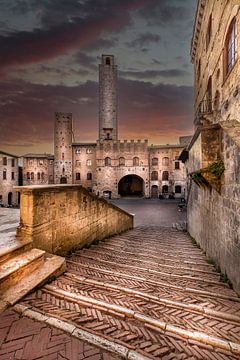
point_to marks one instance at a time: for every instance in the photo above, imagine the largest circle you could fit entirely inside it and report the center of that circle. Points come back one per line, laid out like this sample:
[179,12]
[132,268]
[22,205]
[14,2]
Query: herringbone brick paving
[127,272]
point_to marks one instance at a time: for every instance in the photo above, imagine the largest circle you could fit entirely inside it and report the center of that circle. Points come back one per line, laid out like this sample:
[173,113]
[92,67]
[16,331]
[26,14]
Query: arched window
[165,176]
[209,95]
[38,176]
[42,175]
[209,31]
[178,189]
[230,47]
[107,161]
[135,161]
[154,161]
[89,176]
[63,170]
[78,176]
[154,175]
[89,151]
[217,100]
[165,161]
[32,176]
[121,161]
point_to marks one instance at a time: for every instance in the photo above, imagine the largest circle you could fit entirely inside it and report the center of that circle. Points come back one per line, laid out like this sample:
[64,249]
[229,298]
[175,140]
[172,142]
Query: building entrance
[131,185]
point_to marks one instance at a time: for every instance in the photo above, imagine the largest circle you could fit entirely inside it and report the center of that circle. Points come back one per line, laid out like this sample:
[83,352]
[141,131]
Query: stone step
[14,248]
[18,267]
[51,267]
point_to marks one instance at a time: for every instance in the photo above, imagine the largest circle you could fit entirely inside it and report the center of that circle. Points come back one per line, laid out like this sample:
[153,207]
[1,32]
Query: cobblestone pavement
[148,294]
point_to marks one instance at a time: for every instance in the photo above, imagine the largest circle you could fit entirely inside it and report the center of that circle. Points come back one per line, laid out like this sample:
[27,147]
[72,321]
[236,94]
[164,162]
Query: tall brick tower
[63,130]
[108,129]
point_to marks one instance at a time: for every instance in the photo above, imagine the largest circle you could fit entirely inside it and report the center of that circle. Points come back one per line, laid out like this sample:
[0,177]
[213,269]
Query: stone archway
[131,185]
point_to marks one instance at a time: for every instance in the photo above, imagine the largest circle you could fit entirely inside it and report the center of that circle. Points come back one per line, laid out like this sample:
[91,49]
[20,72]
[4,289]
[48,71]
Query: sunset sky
[50,51]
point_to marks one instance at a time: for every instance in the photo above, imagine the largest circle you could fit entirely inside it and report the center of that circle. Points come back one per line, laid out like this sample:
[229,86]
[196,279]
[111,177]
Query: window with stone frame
[78,163]
[89,176]
[78,151]
[154,175]
[178,189]
[89,151]
[165,161]
[209,32]
[107,161]
[230,48]
[78,176]
[38,176]
[4,160]
[136,161]
[4,174]
[42,176]
[165,176]
[32,175]
[154,161]
[28,176]
[89,162]
[13,162]
[177,165]
[13,175]
[121,161]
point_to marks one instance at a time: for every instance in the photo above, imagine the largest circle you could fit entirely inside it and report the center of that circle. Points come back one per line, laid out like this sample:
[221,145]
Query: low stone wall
[62,218]
[214,218]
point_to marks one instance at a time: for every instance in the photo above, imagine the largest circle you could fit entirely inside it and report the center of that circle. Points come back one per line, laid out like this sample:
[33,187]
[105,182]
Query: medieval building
[213,156]
[108,167]
[10,176]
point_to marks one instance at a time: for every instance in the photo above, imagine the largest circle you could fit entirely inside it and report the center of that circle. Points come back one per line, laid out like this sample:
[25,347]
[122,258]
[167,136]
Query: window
[209,31]
[135,161]
[4,174]
[217,100]
[231,47]
[13,177]
[30,162]
[38,175]
[28,175]
[107,61]
[107,161]
[78,151]
[78,177]
[32,176]
[199,69]
[89,151]
[154,175]
[209,95]
[13,162]
[177,165]
[89,162]
[62,156]
[154,161]
[178,189]
[5,161]
[165,161]
[165,189]
[42,176]
[78,163]
[121,161]
[89,176]
[165,175]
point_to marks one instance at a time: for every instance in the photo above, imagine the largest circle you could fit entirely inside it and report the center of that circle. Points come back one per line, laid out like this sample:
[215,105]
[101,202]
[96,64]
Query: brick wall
[62,218]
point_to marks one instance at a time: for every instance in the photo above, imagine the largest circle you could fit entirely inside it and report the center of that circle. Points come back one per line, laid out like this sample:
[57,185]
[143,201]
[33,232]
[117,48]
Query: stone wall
[62,218]
[214,218]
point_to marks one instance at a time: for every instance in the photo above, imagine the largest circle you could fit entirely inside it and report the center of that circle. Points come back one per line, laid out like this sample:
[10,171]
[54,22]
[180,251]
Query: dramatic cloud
[152,74]
[144,39]
[142,106]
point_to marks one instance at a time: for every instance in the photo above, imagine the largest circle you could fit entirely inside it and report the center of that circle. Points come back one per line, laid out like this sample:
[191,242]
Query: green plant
[216,168]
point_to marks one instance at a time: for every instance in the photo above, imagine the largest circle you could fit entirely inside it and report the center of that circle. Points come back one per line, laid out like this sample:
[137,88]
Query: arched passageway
[131,185]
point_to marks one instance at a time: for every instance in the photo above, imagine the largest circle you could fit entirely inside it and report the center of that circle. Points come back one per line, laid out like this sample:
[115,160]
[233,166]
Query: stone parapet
[62,218]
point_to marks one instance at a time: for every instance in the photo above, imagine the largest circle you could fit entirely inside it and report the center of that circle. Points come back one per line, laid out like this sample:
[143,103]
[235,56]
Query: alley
[147,293]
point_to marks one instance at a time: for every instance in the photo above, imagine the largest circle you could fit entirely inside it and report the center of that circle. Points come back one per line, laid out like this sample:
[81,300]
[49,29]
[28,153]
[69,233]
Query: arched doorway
[131,185]
[154,191]
[10,196]
[63,180]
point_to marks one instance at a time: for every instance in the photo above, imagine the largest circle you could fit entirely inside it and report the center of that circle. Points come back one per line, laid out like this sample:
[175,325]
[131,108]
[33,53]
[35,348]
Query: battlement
[123,145]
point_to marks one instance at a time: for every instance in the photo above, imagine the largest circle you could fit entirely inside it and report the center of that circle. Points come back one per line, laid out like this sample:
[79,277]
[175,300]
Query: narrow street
[148,293]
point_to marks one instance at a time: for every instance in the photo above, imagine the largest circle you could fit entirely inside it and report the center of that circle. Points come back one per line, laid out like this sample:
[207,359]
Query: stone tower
[108,99]
[63,130]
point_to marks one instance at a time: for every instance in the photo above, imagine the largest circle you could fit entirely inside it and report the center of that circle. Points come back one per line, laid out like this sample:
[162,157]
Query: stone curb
[160,283]
[193,335]
[80,334]
[171,275]
[175,304]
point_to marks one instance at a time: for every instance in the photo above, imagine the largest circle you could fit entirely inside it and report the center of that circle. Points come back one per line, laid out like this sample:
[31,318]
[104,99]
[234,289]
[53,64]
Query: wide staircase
[22,267]
[146,294]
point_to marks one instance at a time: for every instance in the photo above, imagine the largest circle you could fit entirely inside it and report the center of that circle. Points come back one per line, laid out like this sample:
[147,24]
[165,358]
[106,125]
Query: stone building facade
[38,169]
[9,177]
[111,167]
[213,157]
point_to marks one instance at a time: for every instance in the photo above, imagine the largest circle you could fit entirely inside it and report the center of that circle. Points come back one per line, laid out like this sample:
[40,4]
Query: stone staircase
[22,267]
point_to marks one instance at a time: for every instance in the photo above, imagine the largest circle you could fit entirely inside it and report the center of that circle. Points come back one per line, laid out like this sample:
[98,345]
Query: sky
[50,51]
